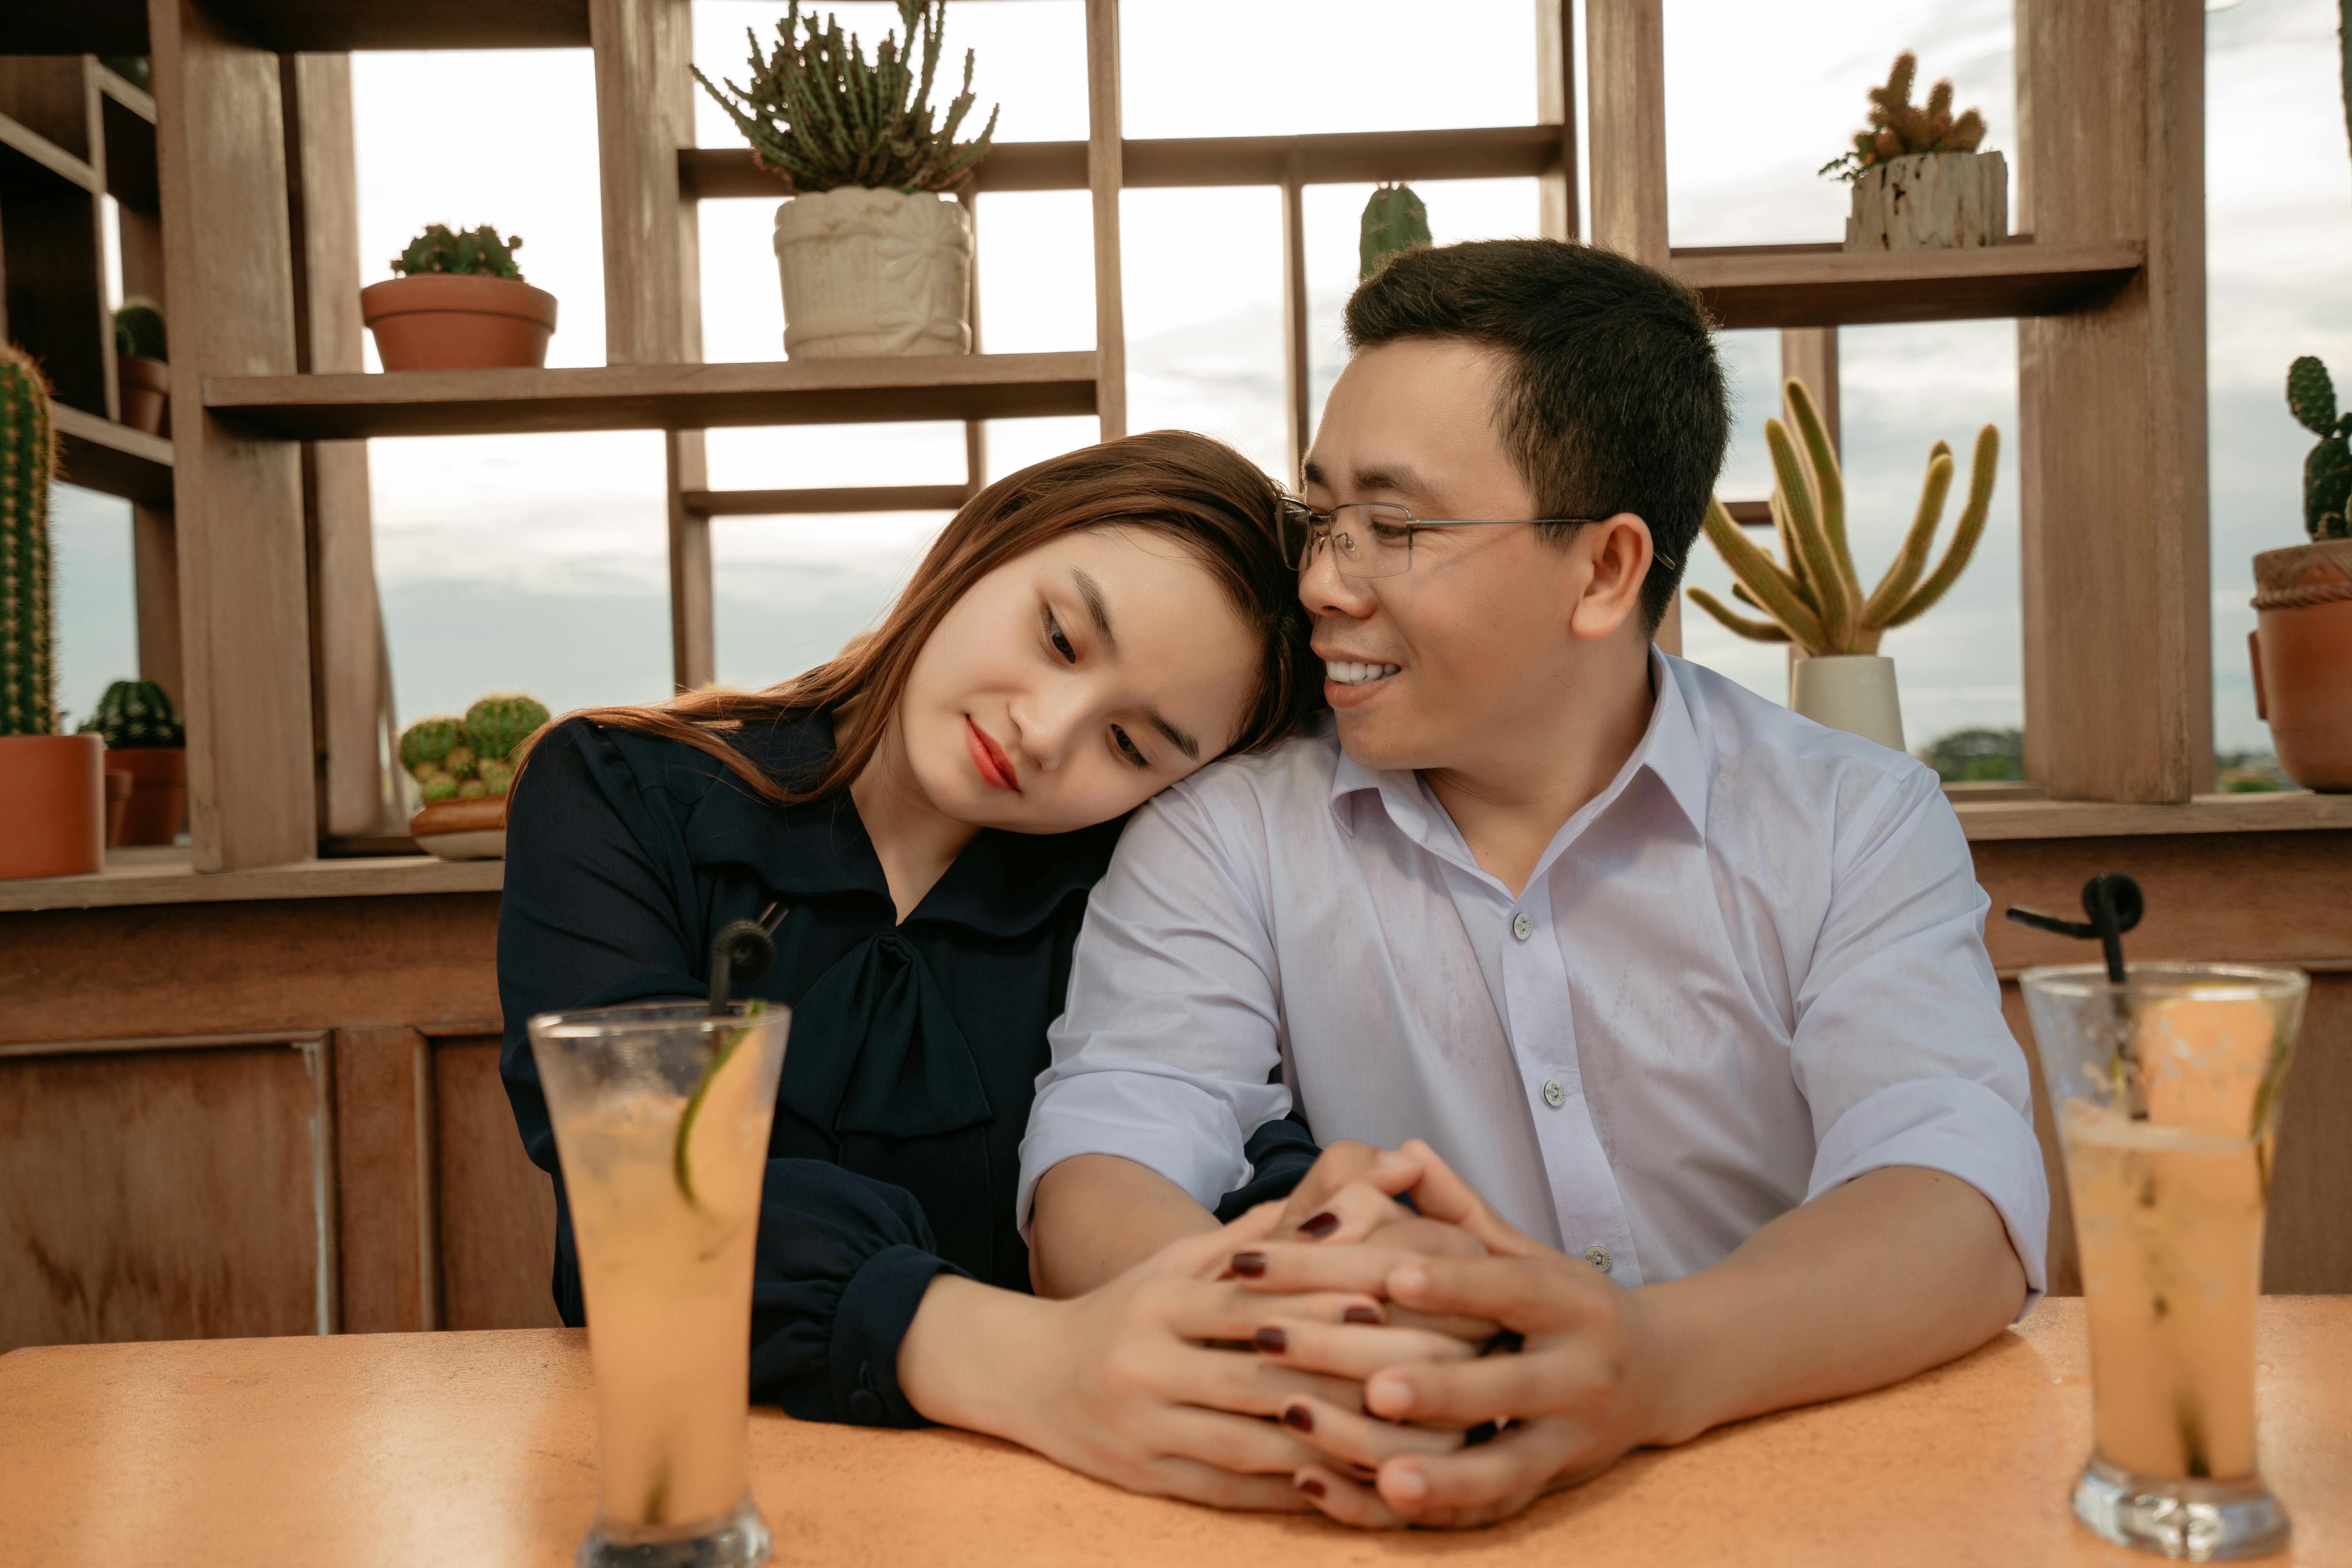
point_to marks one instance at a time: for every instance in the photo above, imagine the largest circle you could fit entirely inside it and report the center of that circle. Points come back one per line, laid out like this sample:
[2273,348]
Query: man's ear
[1618,553]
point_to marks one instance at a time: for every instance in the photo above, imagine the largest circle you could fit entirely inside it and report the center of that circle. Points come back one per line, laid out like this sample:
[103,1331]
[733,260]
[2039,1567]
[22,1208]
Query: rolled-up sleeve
[1900,1047]
[1167,1050]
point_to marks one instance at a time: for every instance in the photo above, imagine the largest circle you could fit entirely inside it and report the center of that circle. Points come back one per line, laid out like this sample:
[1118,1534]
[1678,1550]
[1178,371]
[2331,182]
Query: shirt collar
[1669,751]
[1002,885]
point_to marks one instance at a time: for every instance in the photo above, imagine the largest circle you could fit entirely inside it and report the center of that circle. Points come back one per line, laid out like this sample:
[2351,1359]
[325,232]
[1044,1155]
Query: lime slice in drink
[720,1102]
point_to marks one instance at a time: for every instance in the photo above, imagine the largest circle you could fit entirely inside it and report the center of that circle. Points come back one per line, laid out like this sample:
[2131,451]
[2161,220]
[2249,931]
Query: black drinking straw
[2114,903]
[741,951]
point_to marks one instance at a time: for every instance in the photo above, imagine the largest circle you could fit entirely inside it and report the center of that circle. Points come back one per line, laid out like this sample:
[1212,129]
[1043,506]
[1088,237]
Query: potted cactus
[1918,180]
[1815,601]
[146,740]
[463,768]
[139,367]
[460,303]
[874,259]
[2302,640]
[52,786]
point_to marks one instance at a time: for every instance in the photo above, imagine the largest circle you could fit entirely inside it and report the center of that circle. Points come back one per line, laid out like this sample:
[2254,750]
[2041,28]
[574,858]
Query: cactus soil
[438,320]
[2302,650]
[52,806]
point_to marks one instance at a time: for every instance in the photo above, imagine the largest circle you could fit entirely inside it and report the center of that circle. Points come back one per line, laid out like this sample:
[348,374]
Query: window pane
[96,607]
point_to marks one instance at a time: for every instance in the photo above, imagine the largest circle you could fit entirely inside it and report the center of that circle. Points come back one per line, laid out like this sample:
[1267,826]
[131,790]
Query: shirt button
[866,1408]
[1554,1095]
[1522,927]
[1598,1256]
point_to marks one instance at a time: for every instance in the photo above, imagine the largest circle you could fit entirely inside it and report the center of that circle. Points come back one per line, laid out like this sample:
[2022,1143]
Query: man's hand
[1126,1384]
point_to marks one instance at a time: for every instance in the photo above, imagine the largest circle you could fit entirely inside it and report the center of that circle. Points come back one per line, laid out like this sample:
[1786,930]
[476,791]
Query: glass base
[2196,1521]
[736,1539]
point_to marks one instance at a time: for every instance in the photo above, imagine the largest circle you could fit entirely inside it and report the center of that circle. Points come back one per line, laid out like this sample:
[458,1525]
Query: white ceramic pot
[1850,691]
[874,273]
[1930,201]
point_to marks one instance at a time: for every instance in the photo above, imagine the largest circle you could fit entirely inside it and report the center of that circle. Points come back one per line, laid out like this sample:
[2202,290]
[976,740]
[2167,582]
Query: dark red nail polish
[1249,1265]
[1321,1225]
[1274,1342]
[1299,1415]
[1311,1487]
[1361,1315]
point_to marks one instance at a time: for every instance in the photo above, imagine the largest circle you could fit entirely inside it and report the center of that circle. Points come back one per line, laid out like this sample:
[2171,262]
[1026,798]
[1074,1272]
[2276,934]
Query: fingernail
[1299,1415]
[1403,1484]
[1321,1225]
[1249,1265]
[1310,1486]
[1274,1342]
[1388,1396]
[1361,1315]
[1410,1278]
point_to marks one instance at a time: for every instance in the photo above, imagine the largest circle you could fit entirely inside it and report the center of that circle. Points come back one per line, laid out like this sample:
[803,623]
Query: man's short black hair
[1614,399]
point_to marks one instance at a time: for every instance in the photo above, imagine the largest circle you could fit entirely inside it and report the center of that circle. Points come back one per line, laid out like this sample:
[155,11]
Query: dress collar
[1002,885]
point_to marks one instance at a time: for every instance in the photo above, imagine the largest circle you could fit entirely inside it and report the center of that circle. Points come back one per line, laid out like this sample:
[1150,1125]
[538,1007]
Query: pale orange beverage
[2166,1093]
[661,1117]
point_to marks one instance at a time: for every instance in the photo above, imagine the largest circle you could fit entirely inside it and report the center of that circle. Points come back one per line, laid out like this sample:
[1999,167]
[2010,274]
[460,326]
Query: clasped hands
[1390,1366]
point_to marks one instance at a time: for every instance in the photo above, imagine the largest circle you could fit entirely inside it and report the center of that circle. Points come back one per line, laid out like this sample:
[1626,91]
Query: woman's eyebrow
[1090,592]
[1177,738]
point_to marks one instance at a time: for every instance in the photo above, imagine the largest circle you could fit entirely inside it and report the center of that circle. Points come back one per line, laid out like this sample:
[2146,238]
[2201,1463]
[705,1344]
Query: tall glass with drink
[2166,1090]
[661,1115]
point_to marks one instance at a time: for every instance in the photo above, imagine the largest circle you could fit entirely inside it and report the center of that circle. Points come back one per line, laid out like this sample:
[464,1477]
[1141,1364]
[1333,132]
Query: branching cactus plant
[2328,472]
[820,117]
[1898,128]
[1815,600]
[28,449]
[476,251]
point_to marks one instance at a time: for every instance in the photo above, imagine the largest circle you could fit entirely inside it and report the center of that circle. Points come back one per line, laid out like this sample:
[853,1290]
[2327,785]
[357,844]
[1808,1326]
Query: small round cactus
[459,762]
[499,722]
[497,776]
[472,789]
[136,714]
[440,786]
[425,742]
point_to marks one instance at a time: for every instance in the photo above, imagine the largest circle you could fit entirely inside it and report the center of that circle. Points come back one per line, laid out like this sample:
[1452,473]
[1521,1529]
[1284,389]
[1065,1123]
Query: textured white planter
[872,273]
[1931,201]
[1850,691]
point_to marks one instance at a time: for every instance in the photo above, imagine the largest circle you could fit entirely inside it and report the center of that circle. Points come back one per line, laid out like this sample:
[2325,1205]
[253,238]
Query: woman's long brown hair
[1195,490]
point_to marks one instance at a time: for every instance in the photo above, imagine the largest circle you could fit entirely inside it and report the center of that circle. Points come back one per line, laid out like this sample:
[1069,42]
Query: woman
[927,813]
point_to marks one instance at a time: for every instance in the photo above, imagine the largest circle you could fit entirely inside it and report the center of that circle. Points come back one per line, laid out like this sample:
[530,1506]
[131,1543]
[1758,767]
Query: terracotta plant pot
[437,320]
[472,829]
[118,802]
[52,806]
[2301,648]
[146,387]
[1850,691]
[159,799]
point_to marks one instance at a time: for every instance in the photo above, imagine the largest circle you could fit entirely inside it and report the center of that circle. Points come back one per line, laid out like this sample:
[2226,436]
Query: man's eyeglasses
[1374,539]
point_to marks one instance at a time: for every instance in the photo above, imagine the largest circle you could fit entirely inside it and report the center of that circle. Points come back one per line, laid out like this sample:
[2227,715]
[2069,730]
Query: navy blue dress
[914,1050]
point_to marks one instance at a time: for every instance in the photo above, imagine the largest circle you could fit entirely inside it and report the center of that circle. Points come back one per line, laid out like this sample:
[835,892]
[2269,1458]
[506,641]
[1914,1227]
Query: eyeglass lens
[1368,539]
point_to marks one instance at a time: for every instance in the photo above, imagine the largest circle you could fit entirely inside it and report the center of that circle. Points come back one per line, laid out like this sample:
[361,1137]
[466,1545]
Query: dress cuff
[1963,1129]
[876,1308]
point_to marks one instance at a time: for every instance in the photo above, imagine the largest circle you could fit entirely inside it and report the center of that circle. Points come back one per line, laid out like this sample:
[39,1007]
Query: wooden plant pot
[437,320]
[52,806]
[1851,691]
[146,388]
[159,793]
[871,274]
[2302,650]
[1931,201]
[472,829]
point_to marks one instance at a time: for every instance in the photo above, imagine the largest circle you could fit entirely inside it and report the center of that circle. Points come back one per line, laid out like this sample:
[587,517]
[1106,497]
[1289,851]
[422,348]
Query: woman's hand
[1129,1384]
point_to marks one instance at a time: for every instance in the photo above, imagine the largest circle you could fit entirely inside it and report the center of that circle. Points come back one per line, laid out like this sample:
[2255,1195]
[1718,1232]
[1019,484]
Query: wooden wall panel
[383,1165]
[423,959]
[497,1209]
[157,1194]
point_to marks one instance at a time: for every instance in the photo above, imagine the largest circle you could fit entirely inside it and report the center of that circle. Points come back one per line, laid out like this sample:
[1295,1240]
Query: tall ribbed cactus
[1394,220]
[29,451]
[1816,601]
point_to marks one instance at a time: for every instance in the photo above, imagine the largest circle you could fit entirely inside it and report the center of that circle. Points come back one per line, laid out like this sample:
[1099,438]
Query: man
[1694,992]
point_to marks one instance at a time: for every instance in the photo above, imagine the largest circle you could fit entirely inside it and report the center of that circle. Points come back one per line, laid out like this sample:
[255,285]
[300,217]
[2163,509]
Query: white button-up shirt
[1750,969]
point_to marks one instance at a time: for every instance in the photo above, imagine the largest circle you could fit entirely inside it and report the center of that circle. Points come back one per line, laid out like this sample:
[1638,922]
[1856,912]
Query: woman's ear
[1618,553]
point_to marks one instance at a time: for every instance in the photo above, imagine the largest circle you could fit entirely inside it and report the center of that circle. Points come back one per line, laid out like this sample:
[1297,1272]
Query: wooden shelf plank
[46,154]
[839,499]
[128,94]
[80,27]
[113,459]
[1824,286]
[1346,157]
[293,26]
[166,876]
[657,396]
[2281,813]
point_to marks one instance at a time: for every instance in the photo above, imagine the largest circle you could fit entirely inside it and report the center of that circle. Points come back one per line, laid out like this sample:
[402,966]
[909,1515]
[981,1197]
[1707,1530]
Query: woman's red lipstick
[990,758]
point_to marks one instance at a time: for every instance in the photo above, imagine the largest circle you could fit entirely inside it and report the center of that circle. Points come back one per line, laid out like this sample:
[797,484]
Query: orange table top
[480,1448]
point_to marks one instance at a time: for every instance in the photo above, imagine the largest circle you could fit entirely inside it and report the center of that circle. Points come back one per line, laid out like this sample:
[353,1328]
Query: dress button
[1598,1256]
[1521,926]
[1554,1095]
[866,1408]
